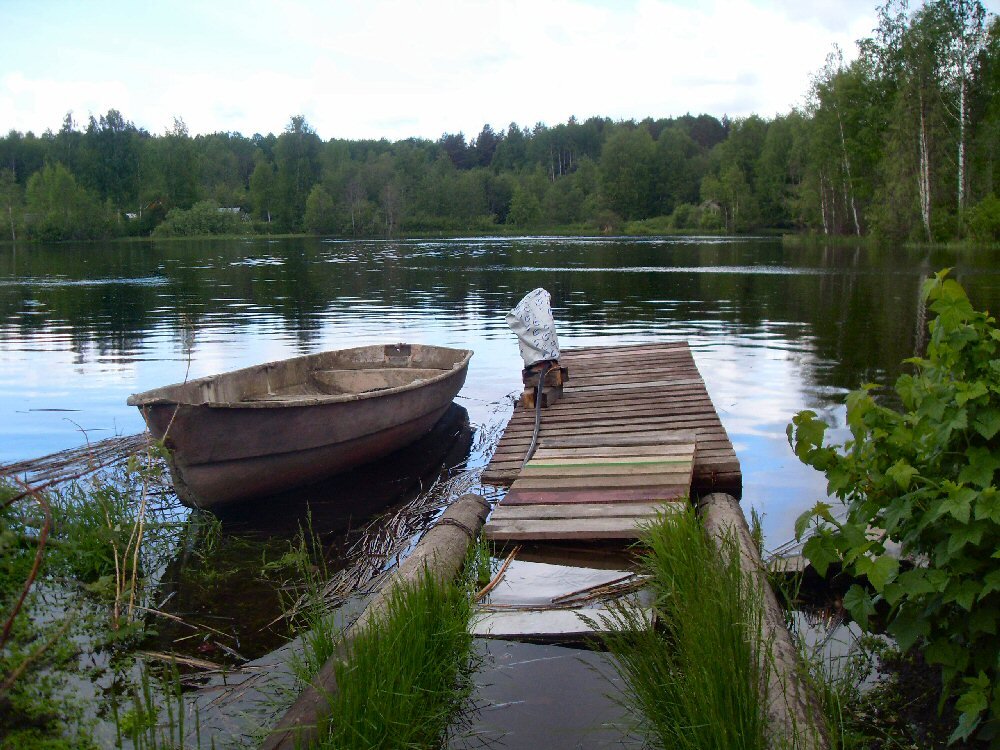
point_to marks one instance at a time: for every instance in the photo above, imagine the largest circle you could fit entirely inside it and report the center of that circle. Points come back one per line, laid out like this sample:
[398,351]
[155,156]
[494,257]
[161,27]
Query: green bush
[926,476]
[203,218]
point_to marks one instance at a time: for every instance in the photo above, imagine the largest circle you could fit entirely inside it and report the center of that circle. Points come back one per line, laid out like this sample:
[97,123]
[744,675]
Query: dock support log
[793,714]
[441,551]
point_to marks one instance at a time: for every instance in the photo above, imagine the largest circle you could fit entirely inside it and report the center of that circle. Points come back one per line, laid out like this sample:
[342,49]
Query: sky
[418,68]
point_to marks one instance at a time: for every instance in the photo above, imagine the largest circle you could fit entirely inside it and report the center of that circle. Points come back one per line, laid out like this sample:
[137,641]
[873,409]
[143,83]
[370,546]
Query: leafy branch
[923,477]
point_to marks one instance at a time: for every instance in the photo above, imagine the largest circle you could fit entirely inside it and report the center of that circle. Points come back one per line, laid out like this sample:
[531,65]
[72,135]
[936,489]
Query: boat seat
[336,382]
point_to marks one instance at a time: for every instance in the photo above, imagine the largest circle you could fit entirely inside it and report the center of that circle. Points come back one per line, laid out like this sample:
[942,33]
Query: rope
[452,522]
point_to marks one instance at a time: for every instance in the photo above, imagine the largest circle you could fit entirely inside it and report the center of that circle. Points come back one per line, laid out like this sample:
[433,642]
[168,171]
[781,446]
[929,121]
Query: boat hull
[226,452]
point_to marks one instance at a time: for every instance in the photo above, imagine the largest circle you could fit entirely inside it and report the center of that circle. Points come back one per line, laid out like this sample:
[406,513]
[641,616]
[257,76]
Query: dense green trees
[900,143]
[62,209]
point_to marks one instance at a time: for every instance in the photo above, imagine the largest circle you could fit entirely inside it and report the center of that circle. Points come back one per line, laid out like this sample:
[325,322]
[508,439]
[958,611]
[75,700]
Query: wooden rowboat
[264,429]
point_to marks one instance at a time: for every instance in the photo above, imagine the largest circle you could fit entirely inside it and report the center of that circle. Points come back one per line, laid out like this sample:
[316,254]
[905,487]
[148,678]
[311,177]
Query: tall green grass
[406,675]
[695,677]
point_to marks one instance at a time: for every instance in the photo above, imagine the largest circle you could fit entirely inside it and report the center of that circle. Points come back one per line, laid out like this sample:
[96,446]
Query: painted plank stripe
[504,512]
[613,453]
[644,494]
[596,482]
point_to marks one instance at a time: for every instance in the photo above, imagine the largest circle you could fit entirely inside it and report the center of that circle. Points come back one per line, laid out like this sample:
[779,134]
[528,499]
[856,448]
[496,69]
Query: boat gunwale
[141,400]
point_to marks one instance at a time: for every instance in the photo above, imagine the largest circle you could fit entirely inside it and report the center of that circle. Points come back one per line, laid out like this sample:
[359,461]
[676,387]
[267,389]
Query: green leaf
[908,627]
[859,604]
[967,724]
[991,583]
[988,505]
[802,523]
[949,655]
[880,571]
[820,551]
[805,434]
[902,474]
[971,704]
[969,534]
[898,511]
[983,619]
[987,423]
[958,502]
[970,392]
[963,593]
[980,468]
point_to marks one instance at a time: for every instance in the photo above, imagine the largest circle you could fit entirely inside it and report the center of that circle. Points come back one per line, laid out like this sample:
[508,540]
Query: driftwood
[793,715]
[441,551]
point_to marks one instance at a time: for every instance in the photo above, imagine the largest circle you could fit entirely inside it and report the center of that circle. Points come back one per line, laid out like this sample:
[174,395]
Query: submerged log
[441,552]
[794,717]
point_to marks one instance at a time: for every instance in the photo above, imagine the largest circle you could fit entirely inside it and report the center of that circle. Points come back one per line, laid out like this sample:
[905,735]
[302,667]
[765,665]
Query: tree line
[901,143]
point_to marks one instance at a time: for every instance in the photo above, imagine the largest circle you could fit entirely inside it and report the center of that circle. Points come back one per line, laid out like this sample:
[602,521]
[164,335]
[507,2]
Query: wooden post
[793,714]
[441,551]
[552,388]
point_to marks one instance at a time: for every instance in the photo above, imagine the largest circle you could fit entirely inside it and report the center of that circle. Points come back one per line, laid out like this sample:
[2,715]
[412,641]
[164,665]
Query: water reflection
[774,328]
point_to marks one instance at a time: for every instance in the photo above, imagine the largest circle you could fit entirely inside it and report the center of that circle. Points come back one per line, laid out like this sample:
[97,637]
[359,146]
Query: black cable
[538,414]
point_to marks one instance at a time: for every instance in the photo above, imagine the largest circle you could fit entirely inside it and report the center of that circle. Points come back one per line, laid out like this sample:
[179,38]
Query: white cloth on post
[532,321]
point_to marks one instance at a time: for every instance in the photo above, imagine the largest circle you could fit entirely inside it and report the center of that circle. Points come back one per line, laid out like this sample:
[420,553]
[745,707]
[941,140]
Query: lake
[774,329]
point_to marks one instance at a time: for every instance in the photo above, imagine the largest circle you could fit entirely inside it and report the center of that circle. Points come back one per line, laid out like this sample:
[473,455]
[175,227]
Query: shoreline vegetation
[897,144]
[798,239]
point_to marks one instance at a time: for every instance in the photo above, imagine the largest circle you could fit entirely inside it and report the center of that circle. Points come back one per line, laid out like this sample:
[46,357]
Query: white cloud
[395,69]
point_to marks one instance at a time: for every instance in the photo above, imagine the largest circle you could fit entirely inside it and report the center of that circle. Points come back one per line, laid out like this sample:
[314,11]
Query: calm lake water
[774,329]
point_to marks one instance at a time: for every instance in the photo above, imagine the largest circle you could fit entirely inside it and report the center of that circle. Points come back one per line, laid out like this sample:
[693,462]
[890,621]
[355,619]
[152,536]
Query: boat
[264,429]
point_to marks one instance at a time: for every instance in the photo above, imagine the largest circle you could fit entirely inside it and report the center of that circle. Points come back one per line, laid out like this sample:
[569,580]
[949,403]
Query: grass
[404,678]
[696,677]
[100,561]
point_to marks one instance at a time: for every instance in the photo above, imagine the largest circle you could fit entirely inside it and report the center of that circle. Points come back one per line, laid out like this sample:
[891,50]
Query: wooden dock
[634,433]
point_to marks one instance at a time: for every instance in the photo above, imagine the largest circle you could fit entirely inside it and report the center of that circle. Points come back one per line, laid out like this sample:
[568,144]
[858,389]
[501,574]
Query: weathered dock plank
[621,397]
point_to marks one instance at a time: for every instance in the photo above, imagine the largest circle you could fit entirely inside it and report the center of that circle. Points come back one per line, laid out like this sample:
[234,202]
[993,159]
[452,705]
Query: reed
[696,677]
[406,675]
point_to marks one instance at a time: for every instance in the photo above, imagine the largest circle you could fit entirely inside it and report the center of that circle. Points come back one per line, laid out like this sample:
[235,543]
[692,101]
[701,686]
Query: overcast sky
[396,69]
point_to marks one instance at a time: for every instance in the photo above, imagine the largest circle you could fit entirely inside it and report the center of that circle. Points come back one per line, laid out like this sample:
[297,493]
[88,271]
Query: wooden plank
[615,349]
[656,493]
[609,476]
[617,427]
[710,445]
[512,455]
[583,510]
[566,528]
[625,409]
[582,459]
[632,386]
[715,465]
[724,480]
[584,413]
[610,451]
[561,624]
[680,476]
[662,439]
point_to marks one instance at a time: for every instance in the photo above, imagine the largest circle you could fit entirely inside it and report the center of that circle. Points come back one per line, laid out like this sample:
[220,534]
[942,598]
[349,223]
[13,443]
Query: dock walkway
[634,429]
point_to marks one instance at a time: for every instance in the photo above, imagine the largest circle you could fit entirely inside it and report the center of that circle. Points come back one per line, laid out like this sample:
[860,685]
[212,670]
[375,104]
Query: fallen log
[793,715]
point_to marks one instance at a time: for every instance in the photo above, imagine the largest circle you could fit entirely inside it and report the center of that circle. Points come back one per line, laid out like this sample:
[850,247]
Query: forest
[901,143]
